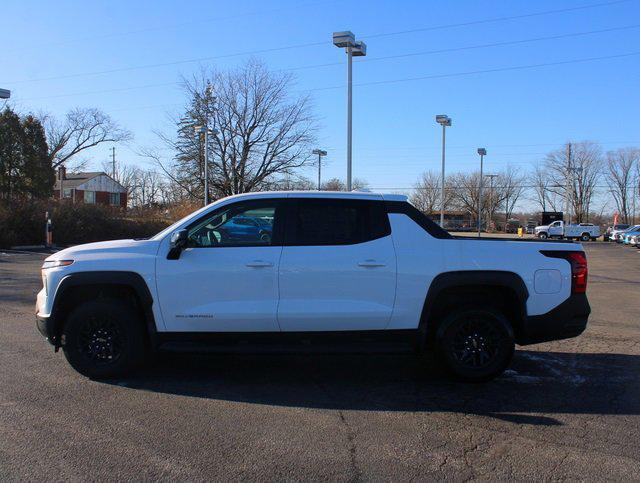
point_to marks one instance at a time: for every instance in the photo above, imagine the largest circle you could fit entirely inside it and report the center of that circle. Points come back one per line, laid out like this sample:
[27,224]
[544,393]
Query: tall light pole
[205,132]
[347,41]
[320,153]
[482,152]
[444,121]
[490,176]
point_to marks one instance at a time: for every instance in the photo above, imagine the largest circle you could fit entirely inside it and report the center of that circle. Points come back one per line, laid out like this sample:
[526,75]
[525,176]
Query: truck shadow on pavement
[537,384]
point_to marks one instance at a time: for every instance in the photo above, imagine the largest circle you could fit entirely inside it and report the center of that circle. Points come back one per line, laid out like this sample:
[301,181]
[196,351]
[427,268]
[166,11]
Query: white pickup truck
[310,271]
[558,229]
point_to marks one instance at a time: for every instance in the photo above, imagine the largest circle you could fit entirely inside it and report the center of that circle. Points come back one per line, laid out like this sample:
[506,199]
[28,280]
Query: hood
[541,227]
[123,248]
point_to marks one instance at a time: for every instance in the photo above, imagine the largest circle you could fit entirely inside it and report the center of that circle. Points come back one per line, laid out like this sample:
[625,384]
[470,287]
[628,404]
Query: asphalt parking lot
[565,410]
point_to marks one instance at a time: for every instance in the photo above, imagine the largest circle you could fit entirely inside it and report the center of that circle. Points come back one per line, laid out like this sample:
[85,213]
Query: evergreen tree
[25,168]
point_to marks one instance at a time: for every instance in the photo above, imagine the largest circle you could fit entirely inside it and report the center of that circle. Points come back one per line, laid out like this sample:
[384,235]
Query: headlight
[56,263]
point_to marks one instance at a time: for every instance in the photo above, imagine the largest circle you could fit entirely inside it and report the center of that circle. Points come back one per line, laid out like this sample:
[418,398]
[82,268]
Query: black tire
[103,339]
[585,237]
[475,344]
[543,236]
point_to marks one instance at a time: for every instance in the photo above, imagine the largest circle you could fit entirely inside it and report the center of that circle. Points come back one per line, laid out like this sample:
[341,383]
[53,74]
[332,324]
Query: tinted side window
[321,221]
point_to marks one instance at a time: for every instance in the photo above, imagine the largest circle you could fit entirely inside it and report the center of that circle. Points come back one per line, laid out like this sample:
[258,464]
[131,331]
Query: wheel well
[498,297]
[76,295]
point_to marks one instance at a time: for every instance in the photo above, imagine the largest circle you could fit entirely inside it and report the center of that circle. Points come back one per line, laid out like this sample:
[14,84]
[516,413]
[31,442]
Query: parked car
[558,229]
[339,271]
[617,235]
[626,237]
[531,226]
[633,241]
[614,229]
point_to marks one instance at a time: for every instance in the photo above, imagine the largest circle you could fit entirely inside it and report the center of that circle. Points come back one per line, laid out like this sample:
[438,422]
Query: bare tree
[503,193]
[620,175]
[464,189]
[81,129]
[335,184]
[576,168]
[262,133]
[145,187]
[426,193]
[511,183]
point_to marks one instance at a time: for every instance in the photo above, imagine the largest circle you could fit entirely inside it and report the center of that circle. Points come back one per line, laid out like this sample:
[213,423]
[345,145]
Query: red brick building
[92,187]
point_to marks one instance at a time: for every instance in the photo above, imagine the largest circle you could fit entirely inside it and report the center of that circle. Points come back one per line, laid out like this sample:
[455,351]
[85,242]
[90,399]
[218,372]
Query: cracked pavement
[564,410]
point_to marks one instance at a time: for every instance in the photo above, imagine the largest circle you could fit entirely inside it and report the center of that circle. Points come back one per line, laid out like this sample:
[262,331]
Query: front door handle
[259,264]
[370,263]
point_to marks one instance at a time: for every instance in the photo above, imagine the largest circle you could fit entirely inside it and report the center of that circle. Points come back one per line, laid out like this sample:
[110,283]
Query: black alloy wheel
[104,338]
[100,340]
[475,344]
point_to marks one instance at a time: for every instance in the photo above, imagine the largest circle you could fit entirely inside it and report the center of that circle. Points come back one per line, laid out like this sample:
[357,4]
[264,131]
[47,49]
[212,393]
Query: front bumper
[569,319]
[45,322]
[46,327]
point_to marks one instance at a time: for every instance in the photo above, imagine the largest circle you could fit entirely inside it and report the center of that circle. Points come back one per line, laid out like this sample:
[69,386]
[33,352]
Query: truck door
[555,229]
[338,266]
[226,280]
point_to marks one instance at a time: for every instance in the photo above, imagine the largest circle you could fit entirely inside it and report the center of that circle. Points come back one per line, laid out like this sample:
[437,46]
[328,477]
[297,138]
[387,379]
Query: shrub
[22,222]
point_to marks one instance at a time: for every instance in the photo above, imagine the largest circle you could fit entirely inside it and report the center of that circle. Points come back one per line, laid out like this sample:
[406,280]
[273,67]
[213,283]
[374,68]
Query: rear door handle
[259,264]
[371,263]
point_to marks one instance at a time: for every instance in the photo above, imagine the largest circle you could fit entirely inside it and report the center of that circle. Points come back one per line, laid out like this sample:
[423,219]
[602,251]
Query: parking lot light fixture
[482,152]
[5,93]
[320,154]
[347,40]
[444,121]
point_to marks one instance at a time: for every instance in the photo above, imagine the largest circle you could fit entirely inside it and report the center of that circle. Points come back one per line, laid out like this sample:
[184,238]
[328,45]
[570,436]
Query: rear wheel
[475,344]
[585,237]
[103,338]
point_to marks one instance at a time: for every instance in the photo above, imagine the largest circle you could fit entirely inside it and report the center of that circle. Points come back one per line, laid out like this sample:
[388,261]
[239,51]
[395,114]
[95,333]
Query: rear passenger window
[321,221]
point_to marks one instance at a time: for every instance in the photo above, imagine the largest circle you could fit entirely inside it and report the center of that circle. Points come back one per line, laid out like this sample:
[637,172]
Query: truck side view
[558,229]
[317,271]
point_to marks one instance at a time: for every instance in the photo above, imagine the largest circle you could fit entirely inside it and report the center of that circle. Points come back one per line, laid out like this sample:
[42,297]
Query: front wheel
[103,338]
[543,236]
[475,344]
[585,237]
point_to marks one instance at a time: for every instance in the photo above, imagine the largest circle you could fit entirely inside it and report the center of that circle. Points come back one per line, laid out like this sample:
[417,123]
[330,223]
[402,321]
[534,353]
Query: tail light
[579,269]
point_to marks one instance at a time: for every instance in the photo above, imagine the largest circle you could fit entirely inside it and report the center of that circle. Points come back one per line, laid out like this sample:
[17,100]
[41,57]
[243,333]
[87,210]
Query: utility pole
[490,176]
[113,162]
[567,187]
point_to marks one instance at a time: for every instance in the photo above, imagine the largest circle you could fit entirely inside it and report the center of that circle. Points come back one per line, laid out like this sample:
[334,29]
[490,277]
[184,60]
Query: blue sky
[518,115]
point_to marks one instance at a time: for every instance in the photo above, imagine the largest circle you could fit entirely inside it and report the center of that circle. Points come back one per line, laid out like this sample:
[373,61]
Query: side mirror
[178,243]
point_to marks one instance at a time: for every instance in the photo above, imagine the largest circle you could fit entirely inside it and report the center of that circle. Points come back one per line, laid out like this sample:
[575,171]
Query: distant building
[91,187]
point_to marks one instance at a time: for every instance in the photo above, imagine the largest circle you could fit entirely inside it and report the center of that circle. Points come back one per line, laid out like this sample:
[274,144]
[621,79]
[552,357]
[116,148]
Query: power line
[495,19]
[459,146]
[373,83]
[374,59]
[499,44]
[483,71]
[297,6]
